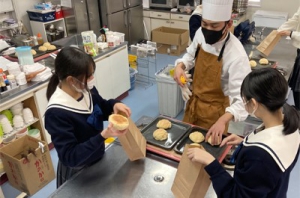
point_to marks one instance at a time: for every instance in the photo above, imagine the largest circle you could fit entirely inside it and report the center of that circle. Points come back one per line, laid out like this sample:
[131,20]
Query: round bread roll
[196,145]
[160,134]
[47,44]
[252,63]
[196,137]
[33,52]
[119,122]
[210,140]
[263,61]
[43,48]
[164,124]
[51,47]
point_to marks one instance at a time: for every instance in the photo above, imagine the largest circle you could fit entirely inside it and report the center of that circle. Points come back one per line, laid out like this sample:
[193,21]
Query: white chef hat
[217,10]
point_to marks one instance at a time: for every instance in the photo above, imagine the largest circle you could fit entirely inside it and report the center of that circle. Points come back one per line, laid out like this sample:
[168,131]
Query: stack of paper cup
[35,133]
[17,109]
[22,133]
[27,115]
[6,126]
[18,121]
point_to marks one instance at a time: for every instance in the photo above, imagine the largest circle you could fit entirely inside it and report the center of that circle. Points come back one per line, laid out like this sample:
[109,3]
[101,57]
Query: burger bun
[118,121]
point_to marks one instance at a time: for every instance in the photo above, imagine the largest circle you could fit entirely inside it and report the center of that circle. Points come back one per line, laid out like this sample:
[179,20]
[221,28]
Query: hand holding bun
[118,121]
[110,131]
[216,143]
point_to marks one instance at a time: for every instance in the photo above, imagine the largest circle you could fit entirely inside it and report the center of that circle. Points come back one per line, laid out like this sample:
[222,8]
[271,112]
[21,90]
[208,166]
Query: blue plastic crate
[41,16]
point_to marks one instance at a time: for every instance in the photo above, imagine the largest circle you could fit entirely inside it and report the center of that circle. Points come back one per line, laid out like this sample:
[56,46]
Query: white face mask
[253,114]
[91,83]
[78,90]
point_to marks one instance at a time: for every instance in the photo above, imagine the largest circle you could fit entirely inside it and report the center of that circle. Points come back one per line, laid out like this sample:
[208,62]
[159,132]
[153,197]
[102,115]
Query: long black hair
[70,61]
[268,87]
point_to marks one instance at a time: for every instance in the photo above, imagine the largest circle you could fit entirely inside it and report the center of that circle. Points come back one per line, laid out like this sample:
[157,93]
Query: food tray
[36,48]
[38,53]
[272,64]
[215,151]
[177,131]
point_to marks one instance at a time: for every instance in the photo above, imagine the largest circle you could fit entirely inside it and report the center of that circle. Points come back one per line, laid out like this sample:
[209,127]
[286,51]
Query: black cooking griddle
[36,48]
[216,151]
[271,64]
[38,53]
[177,131]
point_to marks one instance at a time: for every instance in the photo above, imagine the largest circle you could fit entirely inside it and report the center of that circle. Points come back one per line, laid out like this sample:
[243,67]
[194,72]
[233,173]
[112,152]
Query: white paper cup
[27,115]
[18,121]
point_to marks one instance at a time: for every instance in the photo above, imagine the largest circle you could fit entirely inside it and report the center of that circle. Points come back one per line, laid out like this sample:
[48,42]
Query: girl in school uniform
[265,158]
[75,113]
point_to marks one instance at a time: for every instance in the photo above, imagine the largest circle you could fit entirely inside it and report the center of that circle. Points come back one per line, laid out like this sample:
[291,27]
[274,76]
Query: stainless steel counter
[284,52]
[116,176]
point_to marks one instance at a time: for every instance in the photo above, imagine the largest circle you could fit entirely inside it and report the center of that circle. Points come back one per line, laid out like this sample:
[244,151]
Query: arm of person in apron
[237,71]
[187,61]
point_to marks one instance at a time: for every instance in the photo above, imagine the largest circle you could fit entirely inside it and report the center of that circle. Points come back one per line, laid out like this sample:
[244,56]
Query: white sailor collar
[282,148]
[61,99]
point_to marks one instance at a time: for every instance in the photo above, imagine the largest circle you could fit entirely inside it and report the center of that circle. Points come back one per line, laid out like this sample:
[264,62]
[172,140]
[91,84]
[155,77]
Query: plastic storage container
[24,55]
[133,73]
[41,15]
[170,101]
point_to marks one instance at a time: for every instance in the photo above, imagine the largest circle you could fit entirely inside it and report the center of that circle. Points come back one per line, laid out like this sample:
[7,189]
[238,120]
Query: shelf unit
[145,62]
[29,102]
[40,27]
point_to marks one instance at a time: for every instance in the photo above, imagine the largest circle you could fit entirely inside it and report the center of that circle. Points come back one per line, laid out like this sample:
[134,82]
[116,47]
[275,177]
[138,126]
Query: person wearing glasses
[75,113]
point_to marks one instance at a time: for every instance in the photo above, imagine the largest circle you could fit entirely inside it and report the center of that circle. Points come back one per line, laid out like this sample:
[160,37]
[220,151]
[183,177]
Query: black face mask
[212,36]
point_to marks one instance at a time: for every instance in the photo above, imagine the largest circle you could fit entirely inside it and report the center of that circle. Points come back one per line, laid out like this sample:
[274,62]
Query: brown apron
[207,103]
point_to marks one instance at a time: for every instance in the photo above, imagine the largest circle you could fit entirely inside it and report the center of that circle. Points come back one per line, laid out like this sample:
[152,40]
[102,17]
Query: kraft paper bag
[133,142]
[269,43]
[191,180]
[28,164]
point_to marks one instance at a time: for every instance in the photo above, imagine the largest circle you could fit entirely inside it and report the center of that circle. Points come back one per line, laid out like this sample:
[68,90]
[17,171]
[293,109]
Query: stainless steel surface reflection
[116,176]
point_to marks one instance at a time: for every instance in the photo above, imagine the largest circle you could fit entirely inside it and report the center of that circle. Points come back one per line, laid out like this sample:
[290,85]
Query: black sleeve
[255,176]
[107,106]
[194,25]
[71,152]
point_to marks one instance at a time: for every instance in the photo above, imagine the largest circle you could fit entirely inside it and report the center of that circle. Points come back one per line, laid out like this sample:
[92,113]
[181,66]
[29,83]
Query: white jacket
[293,24]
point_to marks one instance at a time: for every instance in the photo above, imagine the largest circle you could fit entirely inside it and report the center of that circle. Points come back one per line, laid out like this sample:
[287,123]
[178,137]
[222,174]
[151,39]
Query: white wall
[21,6]
[289,6]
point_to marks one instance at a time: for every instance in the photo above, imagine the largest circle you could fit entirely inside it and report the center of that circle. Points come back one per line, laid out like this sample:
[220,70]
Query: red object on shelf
[58,14]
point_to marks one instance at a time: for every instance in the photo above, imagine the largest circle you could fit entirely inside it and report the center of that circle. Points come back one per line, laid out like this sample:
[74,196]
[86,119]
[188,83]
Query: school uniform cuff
[98,139]
[214,168]
[112,102]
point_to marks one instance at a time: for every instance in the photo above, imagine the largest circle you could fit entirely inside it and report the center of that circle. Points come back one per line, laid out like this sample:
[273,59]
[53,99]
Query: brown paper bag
[269,43]
[191,180]
[133,142]
[27,171]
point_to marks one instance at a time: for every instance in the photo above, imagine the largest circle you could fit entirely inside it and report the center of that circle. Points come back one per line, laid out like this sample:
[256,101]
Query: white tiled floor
[143,100]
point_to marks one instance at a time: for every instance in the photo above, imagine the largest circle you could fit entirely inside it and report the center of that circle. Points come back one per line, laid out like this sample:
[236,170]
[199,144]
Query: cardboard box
[28,166]
[174,39]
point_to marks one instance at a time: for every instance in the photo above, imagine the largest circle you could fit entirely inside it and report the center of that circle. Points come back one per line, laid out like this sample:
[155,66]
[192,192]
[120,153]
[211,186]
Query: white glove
[188,77]
[185,92]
